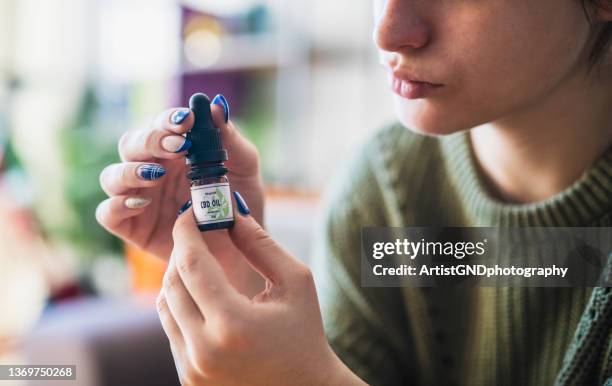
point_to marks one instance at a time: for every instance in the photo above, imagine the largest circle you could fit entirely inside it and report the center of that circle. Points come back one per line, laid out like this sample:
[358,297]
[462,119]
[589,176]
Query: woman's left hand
[220,337]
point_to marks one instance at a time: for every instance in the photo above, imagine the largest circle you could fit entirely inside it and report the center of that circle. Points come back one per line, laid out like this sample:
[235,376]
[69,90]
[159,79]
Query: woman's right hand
[149,186]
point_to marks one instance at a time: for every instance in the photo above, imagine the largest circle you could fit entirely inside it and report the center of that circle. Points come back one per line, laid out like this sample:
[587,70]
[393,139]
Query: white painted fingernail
[136,202]
[175,143]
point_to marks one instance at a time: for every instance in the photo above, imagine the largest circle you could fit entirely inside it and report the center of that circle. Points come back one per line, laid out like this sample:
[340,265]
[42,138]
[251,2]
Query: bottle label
[212,203]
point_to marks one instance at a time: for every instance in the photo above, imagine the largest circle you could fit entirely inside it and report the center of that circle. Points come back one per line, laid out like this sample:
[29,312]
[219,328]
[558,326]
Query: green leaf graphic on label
[224,205]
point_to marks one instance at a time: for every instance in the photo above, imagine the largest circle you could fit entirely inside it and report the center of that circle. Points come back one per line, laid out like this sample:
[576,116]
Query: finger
[178,120]
[173,332]
[165,139]
[112,212]
[168,323]
[242,154]
[199,269]
[182,307]
[262,252]
[119,178]
[148,144]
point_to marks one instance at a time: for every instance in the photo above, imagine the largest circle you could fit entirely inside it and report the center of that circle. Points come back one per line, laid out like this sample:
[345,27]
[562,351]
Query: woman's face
[490,58]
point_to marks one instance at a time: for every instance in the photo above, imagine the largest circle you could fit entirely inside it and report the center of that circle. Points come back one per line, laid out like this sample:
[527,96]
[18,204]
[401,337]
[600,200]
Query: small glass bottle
[210,190]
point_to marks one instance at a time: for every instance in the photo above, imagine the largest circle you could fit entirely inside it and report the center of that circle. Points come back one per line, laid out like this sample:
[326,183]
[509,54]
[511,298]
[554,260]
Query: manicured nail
[241,204]
[179,116]
[185,206]
[176,143]
[136,202]
[150,172]
[221,101]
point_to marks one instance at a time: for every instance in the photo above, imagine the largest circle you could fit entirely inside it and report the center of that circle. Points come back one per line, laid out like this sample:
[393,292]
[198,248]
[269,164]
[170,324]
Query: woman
[510,102]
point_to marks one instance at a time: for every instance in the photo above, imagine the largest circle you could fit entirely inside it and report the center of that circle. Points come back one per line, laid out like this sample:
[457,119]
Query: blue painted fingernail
[179,116]
[185,146]
[241,204]
[150,172]
[185,206]
[221,101]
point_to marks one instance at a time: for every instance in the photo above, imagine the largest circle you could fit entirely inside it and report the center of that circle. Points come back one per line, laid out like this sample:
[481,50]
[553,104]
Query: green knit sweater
[444,336]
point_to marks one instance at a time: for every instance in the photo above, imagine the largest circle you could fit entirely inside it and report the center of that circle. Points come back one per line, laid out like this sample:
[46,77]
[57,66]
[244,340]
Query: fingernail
[241,204]
[185,206]
[179,116]
[221,101]
[136,202]
[150,172]
[176,143]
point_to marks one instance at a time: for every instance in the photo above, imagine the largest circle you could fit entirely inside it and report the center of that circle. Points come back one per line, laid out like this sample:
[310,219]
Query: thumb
[263,253]
[188,242]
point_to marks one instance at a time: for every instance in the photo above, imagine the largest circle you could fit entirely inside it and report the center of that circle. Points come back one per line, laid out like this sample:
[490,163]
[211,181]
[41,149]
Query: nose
[399,26]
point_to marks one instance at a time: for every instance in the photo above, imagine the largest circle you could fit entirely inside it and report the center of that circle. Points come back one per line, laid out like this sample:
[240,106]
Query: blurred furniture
[111,341]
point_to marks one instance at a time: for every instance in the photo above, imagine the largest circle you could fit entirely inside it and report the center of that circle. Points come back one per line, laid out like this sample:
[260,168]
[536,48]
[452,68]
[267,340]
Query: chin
[422,116]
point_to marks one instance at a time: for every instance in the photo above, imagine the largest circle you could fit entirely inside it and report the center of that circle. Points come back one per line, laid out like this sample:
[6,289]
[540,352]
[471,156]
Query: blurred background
[303,83]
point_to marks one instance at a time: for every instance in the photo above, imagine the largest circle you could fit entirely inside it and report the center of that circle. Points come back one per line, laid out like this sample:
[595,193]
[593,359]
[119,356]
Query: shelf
[243,53]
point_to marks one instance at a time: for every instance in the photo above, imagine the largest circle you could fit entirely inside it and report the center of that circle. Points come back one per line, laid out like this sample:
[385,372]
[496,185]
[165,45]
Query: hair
[603,38]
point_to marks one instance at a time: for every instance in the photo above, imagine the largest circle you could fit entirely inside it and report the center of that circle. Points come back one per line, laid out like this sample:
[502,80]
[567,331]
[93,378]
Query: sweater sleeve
[366,327]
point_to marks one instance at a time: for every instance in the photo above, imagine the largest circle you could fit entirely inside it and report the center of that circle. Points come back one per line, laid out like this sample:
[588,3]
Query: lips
[411,87]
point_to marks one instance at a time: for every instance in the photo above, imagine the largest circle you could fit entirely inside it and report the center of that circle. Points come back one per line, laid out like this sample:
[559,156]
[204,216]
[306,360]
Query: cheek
[539,78]
[521,63]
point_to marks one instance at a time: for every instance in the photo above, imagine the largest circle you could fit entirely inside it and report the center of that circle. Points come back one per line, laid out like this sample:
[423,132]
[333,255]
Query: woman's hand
[220,337]
[150,185]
